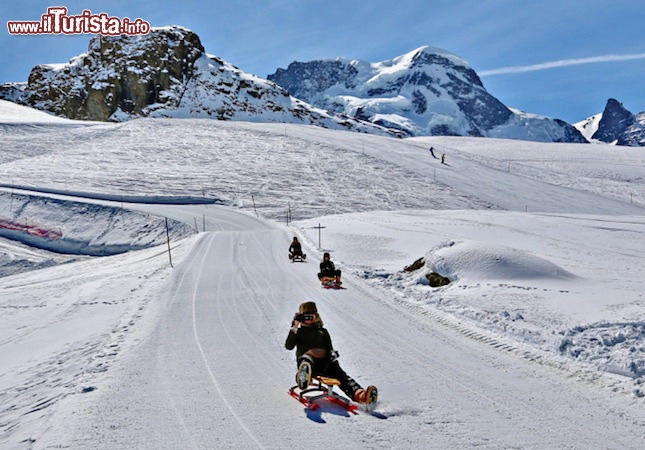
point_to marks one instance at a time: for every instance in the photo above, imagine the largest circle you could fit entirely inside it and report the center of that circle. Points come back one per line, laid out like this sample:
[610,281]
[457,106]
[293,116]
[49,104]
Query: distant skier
[328,271]
[316,355]
[295,250]
[432,153]
[443,158]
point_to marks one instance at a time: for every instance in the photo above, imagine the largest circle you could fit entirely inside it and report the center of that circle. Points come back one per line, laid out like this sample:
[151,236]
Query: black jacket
[295,248]
[307,338]
[327,266]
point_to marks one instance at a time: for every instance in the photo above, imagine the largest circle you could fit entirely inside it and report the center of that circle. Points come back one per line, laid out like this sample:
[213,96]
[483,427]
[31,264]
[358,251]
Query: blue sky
[596,47]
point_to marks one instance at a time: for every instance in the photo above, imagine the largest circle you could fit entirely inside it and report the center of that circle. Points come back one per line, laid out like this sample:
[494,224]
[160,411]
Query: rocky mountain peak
[165,73]
[614,122]
[428,91]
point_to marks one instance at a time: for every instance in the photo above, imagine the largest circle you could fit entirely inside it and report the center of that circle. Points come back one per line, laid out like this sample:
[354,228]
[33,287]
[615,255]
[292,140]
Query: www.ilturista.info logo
[56,21]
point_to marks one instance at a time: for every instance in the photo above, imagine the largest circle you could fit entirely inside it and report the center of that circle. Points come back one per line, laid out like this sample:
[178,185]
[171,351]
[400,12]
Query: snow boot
[372,394]
[303,377]
[367,396]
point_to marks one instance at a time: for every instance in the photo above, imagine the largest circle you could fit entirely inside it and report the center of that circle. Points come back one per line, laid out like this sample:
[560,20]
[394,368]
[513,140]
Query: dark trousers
[329,274]
[326,368]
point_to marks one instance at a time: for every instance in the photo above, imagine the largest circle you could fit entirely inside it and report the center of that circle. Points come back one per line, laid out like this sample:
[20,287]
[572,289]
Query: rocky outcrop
[118,76]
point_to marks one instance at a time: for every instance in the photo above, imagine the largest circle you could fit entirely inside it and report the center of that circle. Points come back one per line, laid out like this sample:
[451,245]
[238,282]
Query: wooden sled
[322,388]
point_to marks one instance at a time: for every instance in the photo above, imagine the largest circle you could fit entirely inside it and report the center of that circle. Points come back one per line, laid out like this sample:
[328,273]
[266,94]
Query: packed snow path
[213,371]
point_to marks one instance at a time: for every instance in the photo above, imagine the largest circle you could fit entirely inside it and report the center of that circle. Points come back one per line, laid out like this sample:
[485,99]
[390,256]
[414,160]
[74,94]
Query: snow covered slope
[542,323]
[428,91]
[11,113]
[589,126]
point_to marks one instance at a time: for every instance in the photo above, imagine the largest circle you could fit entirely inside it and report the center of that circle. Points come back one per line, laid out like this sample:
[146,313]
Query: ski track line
[178,414]
[237,313]
[201,350]
[186,431]
[261,361]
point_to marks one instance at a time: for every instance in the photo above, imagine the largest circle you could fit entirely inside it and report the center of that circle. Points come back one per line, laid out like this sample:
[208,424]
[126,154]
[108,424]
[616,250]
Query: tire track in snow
[203,354]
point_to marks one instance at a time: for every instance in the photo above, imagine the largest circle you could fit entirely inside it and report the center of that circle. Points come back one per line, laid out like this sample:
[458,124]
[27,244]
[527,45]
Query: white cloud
[560,63]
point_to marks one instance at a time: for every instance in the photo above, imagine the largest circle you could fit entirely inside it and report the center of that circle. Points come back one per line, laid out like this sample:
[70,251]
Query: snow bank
[64,226]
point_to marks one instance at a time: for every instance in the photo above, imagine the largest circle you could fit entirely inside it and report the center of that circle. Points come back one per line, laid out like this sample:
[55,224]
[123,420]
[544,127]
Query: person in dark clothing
[328,270]
[315,355]
[296,249]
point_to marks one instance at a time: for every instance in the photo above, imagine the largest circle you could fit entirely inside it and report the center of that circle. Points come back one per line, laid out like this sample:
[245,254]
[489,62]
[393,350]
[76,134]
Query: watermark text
[56,21]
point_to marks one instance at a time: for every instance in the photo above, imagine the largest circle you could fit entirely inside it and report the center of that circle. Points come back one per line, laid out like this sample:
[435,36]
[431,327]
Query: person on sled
[328,271]
[315,355]
[296,249]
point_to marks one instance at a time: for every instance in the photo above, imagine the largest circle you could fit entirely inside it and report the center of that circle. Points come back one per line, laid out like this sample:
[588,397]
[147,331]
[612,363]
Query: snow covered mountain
[615,125]
[428,91]
[163,74]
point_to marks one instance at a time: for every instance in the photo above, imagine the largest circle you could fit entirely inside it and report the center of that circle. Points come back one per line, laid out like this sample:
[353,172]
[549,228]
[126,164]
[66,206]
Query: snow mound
[476,260]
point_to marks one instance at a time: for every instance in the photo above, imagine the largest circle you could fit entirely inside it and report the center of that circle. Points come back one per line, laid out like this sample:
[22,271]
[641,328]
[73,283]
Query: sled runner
[322,388]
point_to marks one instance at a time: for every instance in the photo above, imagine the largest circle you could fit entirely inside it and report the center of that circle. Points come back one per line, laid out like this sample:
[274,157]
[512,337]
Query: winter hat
[308,308]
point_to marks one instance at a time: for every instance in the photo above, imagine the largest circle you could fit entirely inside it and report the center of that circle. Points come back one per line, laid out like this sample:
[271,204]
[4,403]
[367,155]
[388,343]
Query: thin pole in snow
[319,227]
[168,240]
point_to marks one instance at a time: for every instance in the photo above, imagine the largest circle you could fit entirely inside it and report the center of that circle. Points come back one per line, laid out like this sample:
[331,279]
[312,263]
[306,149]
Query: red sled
[331,283]
[322,388]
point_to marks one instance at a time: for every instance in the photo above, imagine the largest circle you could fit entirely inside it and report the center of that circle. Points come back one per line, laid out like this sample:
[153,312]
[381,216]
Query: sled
[322,388]
[330,283]
[299,258]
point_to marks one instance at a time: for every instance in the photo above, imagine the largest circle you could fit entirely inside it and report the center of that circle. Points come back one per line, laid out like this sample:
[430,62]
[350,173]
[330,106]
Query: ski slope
[213,372]
[538,343]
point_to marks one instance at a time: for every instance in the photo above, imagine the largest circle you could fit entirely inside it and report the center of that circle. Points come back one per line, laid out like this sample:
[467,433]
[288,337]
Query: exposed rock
[437,280]
[418,264]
